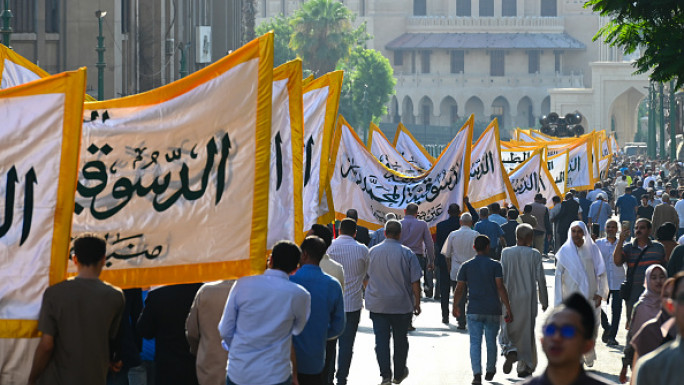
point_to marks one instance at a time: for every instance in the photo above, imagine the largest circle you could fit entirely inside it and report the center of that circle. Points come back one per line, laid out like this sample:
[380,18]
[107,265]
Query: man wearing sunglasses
[664,365]
[568,334]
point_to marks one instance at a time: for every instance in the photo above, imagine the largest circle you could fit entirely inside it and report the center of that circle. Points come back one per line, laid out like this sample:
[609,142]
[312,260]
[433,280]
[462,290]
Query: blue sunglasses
[566,331]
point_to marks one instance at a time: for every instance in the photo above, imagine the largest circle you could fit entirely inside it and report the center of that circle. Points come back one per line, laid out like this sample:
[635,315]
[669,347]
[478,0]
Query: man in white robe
[581,269]
[523,275]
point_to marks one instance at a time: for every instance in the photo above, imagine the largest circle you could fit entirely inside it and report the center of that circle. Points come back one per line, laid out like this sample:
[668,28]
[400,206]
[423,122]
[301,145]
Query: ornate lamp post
[100,55]
[6,29]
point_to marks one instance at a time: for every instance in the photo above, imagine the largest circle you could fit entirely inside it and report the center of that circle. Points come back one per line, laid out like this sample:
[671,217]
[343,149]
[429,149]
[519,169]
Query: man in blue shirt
[494,214]
[262,314]
[327,313]
[486,293]
[491,230]
[626,206]
[600,212]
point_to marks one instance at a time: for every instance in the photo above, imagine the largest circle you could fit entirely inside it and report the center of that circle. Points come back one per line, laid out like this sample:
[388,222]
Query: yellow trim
[545,170]
[19,328]
[402,128]
[468,125]
[307,80]
[374,128]
[292,71]
[591,168]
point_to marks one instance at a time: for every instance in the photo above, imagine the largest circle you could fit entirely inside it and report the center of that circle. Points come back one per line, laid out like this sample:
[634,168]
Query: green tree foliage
[282,31]
[323,34]
[656,26]
[367,86]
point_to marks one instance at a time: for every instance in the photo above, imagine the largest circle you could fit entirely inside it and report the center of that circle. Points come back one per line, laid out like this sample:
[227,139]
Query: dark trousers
[310,379]
[346,342]
[328,375]
[444,284]
[615,310]
[397,325]
[286,382]
[461,307]
[427,275]
[629,304]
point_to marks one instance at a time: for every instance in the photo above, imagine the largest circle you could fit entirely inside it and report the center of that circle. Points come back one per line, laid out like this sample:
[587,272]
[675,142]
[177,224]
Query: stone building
[144,39]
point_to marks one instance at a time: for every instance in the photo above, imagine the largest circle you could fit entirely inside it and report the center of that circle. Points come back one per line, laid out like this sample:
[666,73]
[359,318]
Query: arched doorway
[502,112]
[407,111]
[623,112]
[448,111]
[525,117]
[474,106]
[425,111]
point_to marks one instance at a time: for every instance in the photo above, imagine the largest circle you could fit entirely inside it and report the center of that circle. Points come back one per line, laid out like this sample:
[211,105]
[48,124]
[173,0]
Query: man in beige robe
[523,275]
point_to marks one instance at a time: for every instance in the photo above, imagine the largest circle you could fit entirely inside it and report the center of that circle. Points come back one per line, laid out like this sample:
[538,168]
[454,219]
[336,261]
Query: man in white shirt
[353,256]
[457,249]
[616,275]
[620,184]
[262,314]
[679,207]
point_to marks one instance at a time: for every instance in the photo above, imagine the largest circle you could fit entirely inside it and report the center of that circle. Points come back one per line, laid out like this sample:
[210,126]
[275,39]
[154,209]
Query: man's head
[628,190]
[484,213]
[538,197]
[466,220]
[556,199]
[676,303]
[666,198]
[568,332]
[494,208]
[524,233]
[454,210]
[348,227]
[568,196]
[322,232]
[411,209]
[512,214]
[601,196]
[597,185]
[642,229]
[481,244]
[313,248]
[666,232]
[353,214]
[393,229]
[644,200]
[527,209]
[611,228]
[89,250]
[624,177]
[577,235]
[389,216]
[285,256]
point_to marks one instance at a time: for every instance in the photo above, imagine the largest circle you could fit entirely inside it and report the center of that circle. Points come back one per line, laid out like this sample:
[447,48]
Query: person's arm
[416,297]
[337,314]
[430,246]
[619,254]
[541,283]
[41,358]
[549,229]
[293,359]
[471,209]
[458,293]
[228,322]
[503,295]
[192,332]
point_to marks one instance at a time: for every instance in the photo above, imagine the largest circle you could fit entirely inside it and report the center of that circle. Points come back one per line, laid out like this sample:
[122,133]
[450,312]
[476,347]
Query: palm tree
[323,34]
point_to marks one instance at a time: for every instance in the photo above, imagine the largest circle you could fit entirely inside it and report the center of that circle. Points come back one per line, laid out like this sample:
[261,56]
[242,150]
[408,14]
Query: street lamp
[100,55]
[6,29]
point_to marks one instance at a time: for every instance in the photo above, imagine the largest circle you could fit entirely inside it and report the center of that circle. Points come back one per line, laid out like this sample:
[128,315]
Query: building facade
[146,40]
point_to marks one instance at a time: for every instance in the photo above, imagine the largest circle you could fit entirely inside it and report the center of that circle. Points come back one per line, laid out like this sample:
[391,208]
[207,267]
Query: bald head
[466,219]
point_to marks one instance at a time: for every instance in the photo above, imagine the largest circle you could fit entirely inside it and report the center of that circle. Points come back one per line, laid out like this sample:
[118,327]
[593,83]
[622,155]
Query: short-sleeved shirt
[655,254]
[626,205]
[645,212]
[480,275]
[600,212]
[392,270]
[491,230]
[83,316]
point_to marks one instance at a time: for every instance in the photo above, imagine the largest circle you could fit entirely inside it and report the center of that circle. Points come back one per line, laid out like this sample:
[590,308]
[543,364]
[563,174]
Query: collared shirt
[584,378]
[654,254]
[509,232]
[392,270]
[262,314]
[661,366]
[490,229]
[415,235]
[679,206]
[626,205]
[480,275]
[459,248]
[620,187]
[593,194]
[615,274]
[600,212]
[353,256]
[333,269]
[498,219]
[325,322]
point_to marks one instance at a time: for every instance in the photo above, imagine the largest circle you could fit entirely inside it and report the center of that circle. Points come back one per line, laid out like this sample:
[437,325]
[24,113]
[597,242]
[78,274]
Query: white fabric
[512,158]
[315,109]
[412,151]
[616,274]
[488,182]
[14,74]
[558,168]
[383,150]
[353,256]
[459,248]
[580,166]
[526,179]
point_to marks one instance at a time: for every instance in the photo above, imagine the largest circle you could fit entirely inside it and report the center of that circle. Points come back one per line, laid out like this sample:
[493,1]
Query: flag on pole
[558,168]
[382,149]
[39,146]
[525,179]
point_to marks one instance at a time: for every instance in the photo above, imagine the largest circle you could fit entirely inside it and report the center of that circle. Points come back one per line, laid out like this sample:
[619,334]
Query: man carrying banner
[415,235]
[80,309]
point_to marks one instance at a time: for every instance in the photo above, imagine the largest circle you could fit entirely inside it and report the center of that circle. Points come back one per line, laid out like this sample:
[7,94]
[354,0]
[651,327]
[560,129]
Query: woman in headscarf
[665,234]
[646,308]
[581,269]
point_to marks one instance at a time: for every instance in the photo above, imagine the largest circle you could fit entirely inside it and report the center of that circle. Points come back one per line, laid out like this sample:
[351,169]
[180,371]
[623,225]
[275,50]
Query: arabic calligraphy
[95,177]
[482,167]
[10,192]
[526,183]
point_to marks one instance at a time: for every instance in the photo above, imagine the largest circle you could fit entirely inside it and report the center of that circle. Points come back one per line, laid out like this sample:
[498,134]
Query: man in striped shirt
[353,256]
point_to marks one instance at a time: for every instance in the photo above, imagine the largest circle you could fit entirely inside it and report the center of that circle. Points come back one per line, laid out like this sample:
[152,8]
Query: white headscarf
[569,258]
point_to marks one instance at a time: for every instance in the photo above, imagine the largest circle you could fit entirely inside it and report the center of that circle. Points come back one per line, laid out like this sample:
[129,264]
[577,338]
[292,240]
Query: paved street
[439,354]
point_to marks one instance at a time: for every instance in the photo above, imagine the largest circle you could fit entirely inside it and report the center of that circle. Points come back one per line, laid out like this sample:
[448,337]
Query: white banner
[39,140]
[382,149]
[558,167]
[488,182]
[525,179]
[321,97]
[525,136]
[580,168]
[166,172]
[411,149]
[285,187]
[604,165]
[359,181]
[513,157]
[547,186]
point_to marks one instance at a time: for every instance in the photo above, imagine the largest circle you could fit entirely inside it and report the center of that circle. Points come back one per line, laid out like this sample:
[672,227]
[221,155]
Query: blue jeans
[398,325]
[477,325]
[286,382]
[346,345]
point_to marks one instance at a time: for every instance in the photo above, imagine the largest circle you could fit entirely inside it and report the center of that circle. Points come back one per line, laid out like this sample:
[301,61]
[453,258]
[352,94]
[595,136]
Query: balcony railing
[417,24]
[574,80]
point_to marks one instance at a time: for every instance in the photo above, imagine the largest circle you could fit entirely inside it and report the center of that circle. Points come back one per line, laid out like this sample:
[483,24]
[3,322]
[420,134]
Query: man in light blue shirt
[392,295]
[600,212]
[262,314]
[327,312]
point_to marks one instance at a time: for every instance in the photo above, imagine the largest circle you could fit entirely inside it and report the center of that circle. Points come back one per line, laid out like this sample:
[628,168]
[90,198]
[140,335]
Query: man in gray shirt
[392,295]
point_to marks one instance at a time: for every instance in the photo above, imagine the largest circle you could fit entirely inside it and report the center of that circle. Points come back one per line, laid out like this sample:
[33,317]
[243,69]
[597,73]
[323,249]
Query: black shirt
[645,212]
[584,378]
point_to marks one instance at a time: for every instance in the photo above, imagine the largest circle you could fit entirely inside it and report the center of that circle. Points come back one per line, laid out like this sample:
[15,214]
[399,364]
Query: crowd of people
[297,322]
